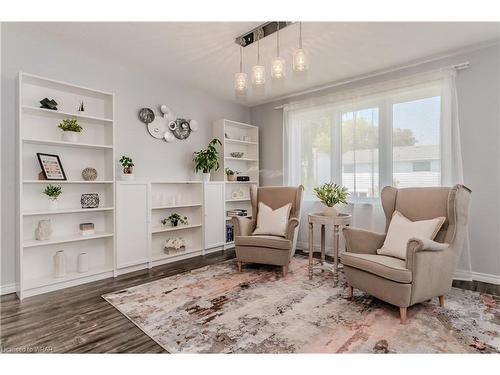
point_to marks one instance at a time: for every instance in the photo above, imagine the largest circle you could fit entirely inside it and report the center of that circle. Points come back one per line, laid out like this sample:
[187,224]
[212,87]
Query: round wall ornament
[146,115]
[182,130]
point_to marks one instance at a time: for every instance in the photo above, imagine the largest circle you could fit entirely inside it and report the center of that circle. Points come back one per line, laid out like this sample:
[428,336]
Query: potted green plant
[53,192]
[71,129]
[331,194]
[207,160]
[174,219]
[127,164]
[231,175]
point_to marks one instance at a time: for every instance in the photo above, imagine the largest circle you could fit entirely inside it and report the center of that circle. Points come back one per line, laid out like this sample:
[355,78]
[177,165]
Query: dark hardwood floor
[79,320]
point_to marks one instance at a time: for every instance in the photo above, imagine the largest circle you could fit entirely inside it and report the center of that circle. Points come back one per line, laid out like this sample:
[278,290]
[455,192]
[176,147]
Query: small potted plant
[207,160]
[53,192]
[127,165]
[231,175]
[71,129]
[174,220]
[331,194]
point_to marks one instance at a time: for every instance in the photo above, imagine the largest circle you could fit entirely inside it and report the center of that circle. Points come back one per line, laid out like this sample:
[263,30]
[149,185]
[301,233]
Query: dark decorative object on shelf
[89,174]
[48,104]
[229,232]
[243,178]
[81,107]
[146,115]
[90,200]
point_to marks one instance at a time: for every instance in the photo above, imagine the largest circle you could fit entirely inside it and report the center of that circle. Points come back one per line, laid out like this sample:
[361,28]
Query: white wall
[133,87]
[479,101]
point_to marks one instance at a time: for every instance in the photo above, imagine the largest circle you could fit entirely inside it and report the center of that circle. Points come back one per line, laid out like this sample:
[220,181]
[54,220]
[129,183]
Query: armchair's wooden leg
[349,291]
[441,301]
[402,314]
[285,270]
[240,266]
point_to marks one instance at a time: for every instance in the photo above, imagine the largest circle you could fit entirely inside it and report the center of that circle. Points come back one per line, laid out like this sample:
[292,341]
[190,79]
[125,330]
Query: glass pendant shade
[299,60]
[258,75]
[240,82]
[278,68]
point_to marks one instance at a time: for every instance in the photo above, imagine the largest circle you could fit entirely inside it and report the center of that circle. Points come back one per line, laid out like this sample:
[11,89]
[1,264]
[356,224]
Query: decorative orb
[89,174]
[193,125]
[169,137]
[172,125]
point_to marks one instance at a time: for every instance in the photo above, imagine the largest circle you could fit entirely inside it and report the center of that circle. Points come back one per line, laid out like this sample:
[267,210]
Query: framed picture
[51,167]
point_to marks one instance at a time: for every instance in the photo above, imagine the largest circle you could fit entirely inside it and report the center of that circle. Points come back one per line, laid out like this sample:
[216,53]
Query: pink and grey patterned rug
[215,309]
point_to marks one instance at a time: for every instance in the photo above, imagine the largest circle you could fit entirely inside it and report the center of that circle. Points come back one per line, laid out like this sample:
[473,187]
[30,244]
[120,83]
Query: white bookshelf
[186,199]
[237,137]
[38,131]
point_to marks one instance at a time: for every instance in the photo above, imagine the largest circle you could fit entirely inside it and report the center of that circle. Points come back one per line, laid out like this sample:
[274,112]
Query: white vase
[330,211]
[82,265]
[53,204]
[128,177]
[60,264]
[206,177]
[70,136]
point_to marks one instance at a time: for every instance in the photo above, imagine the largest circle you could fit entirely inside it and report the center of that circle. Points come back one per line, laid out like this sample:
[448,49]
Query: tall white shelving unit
[38,132]
[237,137]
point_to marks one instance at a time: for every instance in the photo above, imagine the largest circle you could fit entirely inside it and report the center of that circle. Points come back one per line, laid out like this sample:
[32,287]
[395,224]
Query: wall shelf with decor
[240,154]
[74,242]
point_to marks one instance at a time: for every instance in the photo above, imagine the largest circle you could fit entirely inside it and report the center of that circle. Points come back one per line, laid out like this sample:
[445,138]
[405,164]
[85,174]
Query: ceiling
[204,55]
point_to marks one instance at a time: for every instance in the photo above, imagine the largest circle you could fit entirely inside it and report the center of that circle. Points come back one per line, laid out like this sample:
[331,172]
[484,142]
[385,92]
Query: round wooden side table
[332,221]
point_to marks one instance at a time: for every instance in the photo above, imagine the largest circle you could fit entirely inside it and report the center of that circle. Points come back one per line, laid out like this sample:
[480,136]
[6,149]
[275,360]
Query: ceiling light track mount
[260,32]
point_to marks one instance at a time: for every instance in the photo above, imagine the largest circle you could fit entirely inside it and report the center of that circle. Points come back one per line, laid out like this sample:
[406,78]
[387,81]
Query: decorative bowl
[237,154]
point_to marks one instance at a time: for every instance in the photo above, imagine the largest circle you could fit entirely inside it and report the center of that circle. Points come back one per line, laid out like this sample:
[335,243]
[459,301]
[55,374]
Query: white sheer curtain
[351,137]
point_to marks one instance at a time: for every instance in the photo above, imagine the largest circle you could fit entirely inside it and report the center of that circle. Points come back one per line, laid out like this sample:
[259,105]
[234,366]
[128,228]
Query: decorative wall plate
[182,130]
[157,128]
[146,115]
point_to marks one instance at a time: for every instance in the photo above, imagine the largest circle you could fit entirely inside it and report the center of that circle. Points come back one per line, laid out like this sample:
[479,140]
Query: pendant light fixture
[300,55]
[278,63]
[258,71]
[240,78]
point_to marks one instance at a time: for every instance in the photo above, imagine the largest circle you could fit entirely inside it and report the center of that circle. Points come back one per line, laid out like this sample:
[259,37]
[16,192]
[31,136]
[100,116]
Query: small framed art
[51,167]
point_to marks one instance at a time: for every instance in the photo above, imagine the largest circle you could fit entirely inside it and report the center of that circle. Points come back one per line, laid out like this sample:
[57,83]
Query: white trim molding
[7,288]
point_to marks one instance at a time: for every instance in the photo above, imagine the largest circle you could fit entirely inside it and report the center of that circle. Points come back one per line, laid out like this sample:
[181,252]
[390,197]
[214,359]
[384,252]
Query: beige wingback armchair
[268,249]
[428,269]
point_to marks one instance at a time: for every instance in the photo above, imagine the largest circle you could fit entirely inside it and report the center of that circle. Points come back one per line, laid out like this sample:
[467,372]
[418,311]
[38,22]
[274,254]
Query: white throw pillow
[272,222]
[401,229]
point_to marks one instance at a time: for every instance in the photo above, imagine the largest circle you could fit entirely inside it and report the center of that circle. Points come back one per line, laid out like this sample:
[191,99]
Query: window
[385,139]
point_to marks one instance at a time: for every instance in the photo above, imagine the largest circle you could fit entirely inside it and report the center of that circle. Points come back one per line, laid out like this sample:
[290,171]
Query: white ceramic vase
[60,264]
[330,211]
[70,136]
[128,177]
[53,204]
[206,177]
[82,265]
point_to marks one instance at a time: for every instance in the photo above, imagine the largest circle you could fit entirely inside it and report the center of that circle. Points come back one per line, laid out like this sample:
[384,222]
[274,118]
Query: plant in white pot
[53,192]
[331,194]
[71,129]
[127,164]
[207,160]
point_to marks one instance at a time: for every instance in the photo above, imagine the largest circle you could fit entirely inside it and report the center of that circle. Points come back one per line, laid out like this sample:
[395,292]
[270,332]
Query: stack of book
[229,233]
[236,212]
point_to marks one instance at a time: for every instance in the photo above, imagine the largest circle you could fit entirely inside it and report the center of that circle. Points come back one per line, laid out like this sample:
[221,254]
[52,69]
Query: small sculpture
[81,107]
[47,103]
[43,231]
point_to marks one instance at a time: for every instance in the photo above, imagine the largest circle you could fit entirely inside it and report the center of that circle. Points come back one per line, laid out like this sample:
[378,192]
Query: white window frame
[385,104]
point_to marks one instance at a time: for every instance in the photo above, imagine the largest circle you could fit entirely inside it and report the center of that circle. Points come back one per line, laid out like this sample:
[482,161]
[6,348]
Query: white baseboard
[486,278]
[7,289]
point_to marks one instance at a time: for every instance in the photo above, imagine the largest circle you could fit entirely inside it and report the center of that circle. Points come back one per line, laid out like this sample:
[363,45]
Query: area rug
[215,309]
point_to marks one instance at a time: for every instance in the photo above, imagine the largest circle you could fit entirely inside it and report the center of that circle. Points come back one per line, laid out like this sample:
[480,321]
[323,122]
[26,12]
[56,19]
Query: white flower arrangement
[174,243]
